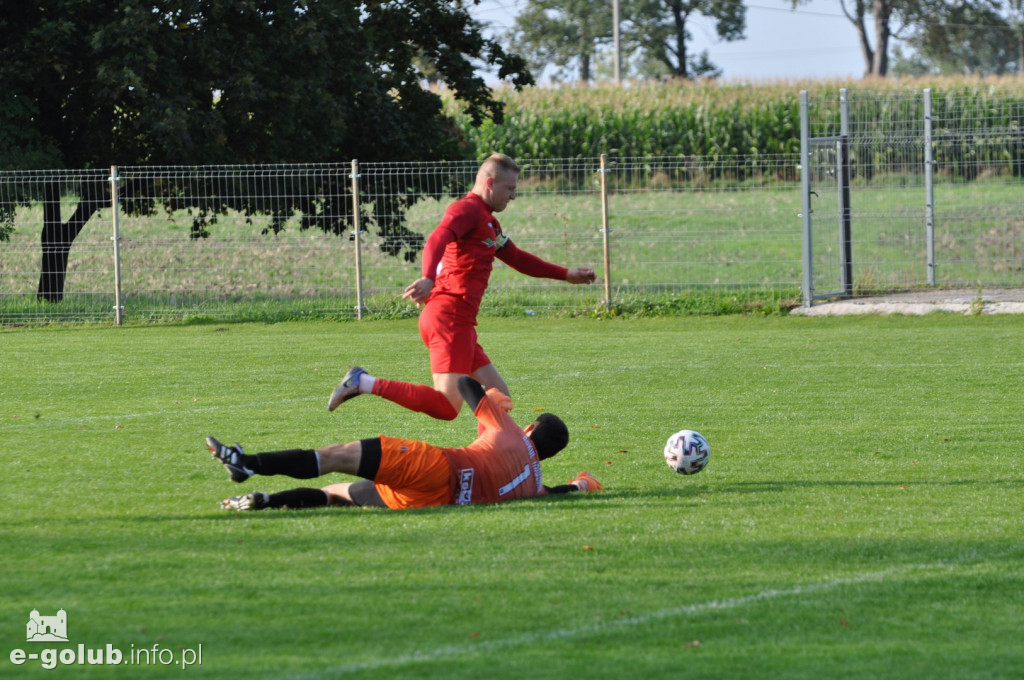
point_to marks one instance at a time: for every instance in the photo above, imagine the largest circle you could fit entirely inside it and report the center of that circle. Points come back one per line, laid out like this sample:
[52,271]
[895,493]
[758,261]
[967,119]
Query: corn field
[712,120]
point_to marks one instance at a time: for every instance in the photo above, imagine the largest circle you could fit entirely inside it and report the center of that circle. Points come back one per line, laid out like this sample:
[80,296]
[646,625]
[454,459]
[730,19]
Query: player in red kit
[457,261]
[502,464]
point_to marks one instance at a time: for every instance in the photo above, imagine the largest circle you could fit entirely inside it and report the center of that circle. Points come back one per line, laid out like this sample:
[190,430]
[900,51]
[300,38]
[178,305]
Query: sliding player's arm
[583,482]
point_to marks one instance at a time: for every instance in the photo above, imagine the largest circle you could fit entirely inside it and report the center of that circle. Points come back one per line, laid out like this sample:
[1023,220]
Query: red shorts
[450,335]
[412,474]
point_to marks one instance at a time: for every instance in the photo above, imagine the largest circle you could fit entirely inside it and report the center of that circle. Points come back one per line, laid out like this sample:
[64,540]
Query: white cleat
[254,500]
[346,389]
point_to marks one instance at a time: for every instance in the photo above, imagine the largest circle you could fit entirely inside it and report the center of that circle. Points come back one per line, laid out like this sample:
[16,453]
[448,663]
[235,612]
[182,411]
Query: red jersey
[459,253]
[466,262]
[501,465]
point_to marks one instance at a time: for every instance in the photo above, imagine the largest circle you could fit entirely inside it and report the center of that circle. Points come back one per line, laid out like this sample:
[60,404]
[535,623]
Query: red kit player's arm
[457,222]
[530,264]
[433,250]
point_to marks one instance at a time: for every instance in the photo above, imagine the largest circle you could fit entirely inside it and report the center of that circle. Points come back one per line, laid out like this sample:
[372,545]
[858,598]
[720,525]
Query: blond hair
[498,162]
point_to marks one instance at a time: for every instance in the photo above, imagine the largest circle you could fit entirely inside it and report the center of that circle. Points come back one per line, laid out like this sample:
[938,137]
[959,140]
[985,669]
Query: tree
[961,38]
[565,34]
[885,14]
[876,56]
[924,24]
[92,83]
[1015,9]
[660,30]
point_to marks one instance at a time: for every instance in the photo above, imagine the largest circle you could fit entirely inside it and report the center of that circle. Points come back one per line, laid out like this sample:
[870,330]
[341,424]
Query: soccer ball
[687,452]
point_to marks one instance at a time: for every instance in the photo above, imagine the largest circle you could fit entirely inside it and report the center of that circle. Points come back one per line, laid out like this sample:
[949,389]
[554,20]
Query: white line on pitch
[46,422]
[453,651]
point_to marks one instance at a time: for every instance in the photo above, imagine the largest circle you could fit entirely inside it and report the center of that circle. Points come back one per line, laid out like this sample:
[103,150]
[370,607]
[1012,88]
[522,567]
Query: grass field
[860,516]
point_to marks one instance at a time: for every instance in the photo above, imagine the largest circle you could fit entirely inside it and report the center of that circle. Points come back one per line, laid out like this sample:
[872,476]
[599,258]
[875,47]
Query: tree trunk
[679,19]
[585,68]
[1020,50]
[57,237]
[882,9]
[856,18]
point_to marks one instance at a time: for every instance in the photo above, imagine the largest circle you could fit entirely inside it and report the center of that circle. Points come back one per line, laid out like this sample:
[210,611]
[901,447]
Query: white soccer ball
[687,452]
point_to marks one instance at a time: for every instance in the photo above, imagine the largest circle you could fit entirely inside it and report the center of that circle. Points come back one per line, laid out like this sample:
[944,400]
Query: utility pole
[615,41]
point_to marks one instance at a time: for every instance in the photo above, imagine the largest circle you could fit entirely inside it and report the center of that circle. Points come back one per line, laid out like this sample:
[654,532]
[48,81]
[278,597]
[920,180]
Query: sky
[814,41]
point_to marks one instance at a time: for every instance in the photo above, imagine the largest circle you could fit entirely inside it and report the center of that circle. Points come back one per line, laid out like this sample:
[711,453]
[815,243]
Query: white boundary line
[26,423]
[448,652]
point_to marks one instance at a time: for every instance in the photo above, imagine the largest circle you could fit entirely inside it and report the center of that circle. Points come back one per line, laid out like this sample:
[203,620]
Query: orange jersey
[501,465]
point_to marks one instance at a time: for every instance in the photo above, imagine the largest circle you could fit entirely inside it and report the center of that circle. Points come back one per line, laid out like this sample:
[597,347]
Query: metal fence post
[805,197]
[846,228]
[929,187]
[116,238]
[357,236]
[605,232]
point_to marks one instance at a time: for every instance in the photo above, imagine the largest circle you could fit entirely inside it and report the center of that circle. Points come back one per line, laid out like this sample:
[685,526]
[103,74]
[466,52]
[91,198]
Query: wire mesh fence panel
[692,223]
[979,204]
[889,219]
[887,196]
[827,213]
[56,255]
[236,241]
[977,150]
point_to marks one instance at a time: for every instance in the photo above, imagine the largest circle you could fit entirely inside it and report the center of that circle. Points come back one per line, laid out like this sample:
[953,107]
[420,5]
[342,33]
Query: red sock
[419,398]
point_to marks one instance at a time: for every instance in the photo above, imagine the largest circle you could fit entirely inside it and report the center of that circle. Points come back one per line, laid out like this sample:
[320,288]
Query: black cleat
[231,456]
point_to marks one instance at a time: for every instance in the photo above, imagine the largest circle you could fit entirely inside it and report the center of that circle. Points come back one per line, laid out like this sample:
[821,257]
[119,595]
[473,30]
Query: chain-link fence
[935,199]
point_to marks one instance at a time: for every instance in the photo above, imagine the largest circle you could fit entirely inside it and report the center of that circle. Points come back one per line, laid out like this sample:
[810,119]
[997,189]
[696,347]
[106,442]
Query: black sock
[296,463]
[297,499]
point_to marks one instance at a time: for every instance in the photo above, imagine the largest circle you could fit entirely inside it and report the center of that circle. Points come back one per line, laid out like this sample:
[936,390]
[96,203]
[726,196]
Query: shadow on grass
[683,496]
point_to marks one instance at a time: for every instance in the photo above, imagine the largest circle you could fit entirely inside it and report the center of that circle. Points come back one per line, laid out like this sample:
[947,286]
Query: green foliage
[961,38]
[21,144]
[661,29]
[854,522]
[92,83]
[704,303]
[323,81]
[566,35]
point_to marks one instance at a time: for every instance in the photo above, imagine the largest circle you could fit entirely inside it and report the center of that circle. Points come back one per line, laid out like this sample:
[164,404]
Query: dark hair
[549,435]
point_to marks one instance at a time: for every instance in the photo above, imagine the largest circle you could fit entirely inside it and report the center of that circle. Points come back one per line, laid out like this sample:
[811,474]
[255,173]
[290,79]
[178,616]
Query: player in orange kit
[457,261]
[502,464]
